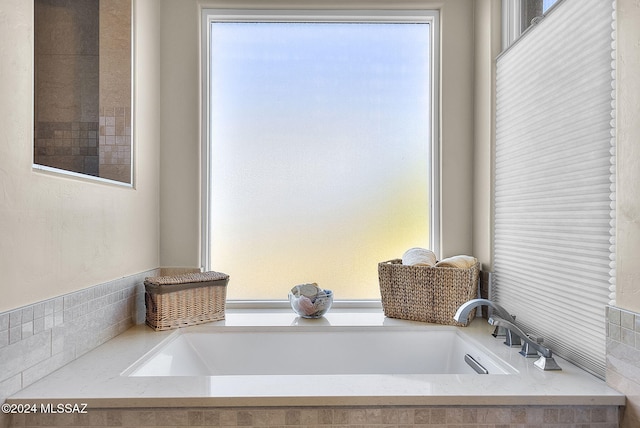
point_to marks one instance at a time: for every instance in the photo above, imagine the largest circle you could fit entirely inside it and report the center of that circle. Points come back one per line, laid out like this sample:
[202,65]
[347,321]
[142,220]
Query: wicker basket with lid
[184,300]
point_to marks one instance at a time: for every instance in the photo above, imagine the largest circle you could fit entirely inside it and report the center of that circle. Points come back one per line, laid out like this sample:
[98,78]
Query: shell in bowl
[310,301]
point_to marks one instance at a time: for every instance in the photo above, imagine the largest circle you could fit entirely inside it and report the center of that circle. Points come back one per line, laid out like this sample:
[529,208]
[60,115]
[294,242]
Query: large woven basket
[427,294]
[184,300]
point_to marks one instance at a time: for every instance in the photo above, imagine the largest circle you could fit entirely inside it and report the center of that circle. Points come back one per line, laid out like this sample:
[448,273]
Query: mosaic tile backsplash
[623,360]
[37,339]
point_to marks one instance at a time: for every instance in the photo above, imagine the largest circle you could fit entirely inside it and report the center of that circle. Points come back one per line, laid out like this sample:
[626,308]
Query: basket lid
[166,284]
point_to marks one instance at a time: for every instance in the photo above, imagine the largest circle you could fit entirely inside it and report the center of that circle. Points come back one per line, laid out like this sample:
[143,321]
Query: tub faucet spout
[462,316]
[546,361]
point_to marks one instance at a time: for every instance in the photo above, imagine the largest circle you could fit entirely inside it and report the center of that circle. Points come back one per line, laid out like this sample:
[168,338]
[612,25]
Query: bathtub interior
[233,351]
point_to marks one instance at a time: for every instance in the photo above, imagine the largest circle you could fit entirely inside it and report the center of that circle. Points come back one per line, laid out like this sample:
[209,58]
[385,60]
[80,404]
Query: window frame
[209,15]
[514,18]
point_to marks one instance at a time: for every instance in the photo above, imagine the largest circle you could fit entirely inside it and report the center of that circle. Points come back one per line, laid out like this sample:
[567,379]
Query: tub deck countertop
[96,377]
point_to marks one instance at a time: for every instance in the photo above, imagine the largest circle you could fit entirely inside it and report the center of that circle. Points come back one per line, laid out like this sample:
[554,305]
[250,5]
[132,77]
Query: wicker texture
[202,300]
[186,278]
[427,294]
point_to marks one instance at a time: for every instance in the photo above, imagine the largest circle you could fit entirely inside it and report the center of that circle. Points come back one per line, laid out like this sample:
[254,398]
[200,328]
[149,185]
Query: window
[519,15]
[317,147]
[546,5]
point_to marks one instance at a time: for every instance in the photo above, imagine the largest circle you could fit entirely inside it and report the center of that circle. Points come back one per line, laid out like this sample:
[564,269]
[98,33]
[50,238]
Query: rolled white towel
[419,257]
[460,262]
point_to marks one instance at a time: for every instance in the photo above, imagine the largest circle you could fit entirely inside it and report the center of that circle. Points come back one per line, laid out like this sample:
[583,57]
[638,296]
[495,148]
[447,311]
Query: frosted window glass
[320,153]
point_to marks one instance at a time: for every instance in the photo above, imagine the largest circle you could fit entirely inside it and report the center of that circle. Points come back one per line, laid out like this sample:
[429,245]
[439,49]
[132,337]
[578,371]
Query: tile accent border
[623,360]
[37,339]
[345,417]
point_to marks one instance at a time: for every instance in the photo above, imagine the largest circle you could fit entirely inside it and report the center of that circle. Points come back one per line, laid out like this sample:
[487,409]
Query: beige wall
[456,117]
[60,234]
[487,35]
[180,141]
[180,156]
[628,154]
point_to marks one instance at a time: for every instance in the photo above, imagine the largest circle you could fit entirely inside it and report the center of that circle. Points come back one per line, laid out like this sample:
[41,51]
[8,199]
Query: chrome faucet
[462,316]
[546,361]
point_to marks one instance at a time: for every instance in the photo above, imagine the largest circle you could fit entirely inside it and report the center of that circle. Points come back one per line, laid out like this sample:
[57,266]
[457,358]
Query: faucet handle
[512,339]
[546,363]
[528,351]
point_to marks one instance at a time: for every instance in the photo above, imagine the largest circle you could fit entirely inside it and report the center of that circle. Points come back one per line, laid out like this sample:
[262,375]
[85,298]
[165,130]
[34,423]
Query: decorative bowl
[309,306]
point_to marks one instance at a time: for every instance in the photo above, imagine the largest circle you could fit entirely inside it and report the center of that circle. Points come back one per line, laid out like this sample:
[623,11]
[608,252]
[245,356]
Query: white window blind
[555,180]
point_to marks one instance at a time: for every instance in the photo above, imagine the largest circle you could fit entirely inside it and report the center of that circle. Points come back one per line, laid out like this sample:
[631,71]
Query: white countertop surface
[96,377]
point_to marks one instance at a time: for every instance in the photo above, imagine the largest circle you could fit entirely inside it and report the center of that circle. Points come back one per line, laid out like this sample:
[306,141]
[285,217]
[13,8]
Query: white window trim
[512,29]
[264,15]
[511,22]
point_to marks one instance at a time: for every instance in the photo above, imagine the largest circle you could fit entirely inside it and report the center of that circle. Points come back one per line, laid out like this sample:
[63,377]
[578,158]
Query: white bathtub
[360,358]
[304,351]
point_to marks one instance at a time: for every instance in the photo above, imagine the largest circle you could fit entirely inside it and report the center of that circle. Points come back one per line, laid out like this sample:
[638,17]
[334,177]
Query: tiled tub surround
[531,398]
[315,417]
[38,339]
[623,360]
